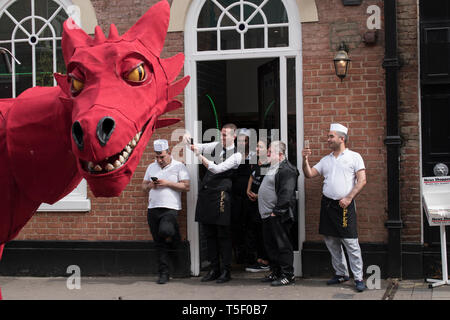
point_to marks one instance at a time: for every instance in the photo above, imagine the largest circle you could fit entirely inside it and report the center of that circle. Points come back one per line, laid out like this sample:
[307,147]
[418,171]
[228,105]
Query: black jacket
[285,187]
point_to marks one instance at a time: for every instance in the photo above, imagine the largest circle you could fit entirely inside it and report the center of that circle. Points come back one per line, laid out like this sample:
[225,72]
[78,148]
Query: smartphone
[192,140]
[154,179]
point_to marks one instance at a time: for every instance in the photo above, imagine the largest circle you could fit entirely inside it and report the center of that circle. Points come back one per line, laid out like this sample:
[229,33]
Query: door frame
[191,113]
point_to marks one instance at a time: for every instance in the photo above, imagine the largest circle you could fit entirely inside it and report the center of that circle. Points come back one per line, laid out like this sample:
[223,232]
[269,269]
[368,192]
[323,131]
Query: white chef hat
[338,127]
[244,132]
[160,145]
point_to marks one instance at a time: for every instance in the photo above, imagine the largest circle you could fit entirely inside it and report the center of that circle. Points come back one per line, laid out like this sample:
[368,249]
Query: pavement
[243,286]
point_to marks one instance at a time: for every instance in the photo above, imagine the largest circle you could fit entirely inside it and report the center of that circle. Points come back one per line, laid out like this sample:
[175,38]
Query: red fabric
[39,159]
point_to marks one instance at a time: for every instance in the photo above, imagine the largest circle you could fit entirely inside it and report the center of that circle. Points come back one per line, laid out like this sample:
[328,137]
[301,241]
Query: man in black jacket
[276,202]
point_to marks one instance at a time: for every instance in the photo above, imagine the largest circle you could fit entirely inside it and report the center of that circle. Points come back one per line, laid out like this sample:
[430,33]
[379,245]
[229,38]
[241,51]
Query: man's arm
[285,189]
[308,171]
[360,183]
[181,186]
[147,185]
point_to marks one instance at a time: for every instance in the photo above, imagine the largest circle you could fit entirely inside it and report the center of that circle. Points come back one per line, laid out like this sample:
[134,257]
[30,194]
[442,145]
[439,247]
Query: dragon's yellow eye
[77,85]
[137,74]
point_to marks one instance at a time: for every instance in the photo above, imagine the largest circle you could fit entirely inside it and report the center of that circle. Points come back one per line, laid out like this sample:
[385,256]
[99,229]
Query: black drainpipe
[393,141]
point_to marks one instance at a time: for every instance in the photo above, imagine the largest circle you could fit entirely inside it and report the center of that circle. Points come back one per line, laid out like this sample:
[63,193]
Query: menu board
[436,199]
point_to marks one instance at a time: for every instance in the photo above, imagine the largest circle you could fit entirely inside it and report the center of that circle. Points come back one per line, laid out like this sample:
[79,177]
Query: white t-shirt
[339,173]
[166,197]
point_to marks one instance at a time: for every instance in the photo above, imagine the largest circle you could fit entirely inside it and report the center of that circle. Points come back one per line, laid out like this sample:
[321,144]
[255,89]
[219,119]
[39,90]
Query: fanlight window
[242,24]
[31,30]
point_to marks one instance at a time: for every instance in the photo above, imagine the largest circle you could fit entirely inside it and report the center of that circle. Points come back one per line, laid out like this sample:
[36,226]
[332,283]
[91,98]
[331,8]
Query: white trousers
[338,259]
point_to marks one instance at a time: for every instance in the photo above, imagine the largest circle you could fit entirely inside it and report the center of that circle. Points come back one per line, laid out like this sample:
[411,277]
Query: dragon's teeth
[121,159]
[98,168]
[109,167]
[125,154]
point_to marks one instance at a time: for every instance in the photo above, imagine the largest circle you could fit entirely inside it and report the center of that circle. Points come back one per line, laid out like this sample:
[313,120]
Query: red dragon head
[117,87]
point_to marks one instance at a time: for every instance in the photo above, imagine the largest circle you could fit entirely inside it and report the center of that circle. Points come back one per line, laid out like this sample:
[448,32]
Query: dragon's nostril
[105,129]
[77,134]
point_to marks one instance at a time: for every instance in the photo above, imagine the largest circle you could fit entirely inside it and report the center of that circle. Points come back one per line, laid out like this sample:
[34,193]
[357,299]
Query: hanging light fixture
[341,61]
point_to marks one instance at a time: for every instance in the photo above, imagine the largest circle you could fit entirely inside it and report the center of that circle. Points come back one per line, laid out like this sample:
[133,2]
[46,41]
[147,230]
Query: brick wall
[409,120]
[358,102]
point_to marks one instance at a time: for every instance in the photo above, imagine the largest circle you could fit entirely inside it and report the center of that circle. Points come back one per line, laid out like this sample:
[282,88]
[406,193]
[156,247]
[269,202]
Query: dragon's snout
[105,128]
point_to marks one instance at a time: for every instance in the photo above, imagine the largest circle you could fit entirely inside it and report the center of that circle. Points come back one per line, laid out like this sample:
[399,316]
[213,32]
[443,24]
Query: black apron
[337,222]
[214,198]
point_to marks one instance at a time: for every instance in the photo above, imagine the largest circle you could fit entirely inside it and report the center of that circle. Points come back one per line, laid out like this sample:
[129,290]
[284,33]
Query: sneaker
[360,286]
[337,279]
[270,278]
[283,281]
[258,267]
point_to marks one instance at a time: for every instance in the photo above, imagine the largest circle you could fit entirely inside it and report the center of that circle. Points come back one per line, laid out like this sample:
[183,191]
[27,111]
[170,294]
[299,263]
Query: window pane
[209,15]
[24,78]
[44,64]
[279,37]
[20,9]
[230,40]
[257,19]
[226,3]
[60,65]
[227,22]
[7,27]
[254,38]
[275,12]
[207,40]
[5,77]
[45,9]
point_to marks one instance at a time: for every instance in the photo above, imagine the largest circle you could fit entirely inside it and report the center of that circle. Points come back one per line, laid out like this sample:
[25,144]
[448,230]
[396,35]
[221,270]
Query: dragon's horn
[173,105]
[151,28]
[99,35]
[72,38]
[165,122]
[178,86]
[172,66]
[113,33]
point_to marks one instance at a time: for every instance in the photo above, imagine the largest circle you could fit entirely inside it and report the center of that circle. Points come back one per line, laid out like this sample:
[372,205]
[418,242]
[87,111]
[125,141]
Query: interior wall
[242,85]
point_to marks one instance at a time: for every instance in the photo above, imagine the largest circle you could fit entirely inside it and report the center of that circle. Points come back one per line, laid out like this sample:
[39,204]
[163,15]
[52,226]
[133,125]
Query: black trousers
[218,246]
[254,235]
[239,229]
[278,245]
[163,224]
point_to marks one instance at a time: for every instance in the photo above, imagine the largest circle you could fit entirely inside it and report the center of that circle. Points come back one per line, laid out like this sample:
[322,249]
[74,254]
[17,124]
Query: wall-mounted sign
[436,199]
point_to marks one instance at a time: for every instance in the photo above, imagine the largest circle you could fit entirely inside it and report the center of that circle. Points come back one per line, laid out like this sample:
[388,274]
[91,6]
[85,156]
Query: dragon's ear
[73,36]
[151,28]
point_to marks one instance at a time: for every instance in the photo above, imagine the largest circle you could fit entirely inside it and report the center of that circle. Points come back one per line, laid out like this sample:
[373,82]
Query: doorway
[254,49]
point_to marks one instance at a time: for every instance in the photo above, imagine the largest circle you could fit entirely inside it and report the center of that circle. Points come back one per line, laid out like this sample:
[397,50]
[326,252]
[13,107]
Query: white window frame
[191,111]
[77,200]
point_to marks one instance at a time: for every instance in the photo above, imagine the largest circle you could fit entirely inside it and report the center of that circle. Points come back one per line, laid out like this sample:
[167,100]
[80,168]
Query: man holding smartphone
[164,180]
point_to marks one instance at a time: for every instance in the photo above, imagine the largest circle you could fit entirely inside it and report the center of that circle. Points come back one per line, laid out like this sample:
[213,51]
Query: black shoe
[163,278]
[210,276]
[270,278]
[283,281]
[224,277]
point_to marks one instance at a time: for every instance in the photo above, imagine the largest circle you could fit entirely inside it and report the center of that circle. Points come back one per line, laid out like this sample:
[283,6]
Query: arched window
[242,24]
[31,30]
